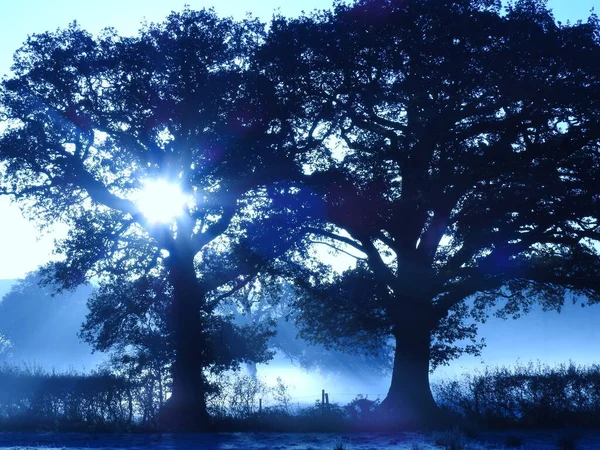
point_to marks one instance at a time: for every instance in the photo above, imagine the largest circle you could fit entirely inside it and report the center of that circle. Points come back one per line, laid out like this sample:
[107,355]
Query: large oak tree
[460,162]
[88,120]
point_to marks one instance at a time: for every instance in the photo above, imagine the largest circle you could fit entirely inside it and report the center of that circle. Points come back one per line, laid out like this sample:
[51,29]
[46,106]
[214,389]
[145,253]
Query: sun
[161,201]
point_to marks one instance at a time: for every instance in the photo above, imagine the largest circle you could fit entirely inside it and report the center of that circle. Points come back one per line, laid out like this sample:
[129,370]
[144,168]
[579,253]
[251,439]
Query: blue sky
[549,337]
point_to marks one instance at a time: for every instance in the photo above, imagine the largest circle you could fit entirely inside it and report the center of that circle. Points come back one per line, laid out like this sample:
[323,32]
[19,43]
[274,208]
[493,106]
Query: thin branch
[337,249]
[337,237]
[217,228]
[391,243]
[241,285]
[378,266]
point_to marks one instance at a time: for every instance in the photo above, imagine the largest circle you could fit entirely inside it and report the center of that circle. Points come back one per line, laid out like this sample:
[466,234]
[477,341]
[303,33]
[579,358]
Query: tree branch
[216,229]
[336,248]
[337,237]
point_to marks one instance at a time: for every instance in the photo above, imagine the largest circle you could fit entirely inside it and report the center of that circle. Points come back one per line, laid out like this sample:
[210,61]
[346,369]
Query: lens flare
[161,201]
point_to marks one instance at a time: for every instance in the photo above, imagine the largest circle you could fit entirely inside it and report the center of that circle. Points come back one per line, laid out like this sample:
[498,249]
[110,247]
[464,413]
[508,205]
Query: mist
[41,332]
[39,329]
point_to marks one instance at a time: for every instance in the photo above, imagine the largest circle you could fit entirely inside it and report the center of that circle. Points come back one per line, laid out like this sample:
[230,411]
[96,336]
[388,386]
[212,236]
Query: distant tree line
[39,328]
[449,146]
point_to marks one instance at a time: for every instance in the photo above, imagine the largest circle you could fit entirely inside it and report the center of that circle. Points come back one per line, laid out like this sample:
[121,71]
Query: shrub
[31,398]
[567,441]
[529,396]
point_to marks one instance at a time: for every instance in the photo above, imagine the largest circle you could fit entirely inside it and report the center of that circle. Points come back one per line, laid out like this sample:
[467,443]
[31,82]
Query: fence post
[260,405]
[327,399]
[322,400]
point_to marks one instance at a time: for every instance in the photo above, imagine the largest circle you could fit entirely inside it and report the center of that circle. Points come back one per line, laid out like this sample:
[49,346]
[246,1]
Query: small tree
[128,320]
[460,161]
[274,301]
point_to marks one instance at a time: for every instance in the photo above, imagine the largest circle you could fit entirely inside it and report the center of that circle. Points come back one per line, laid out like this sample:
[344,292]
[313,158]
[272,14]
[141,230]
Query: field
[532,440]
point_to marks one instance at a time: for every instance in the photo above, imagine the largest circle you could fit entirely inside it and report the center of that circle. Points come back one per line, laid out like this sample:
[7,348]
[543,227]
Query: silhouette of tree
[5,286]
[460,161]
[40,328]
[90,119]
[128,320]
[272,303]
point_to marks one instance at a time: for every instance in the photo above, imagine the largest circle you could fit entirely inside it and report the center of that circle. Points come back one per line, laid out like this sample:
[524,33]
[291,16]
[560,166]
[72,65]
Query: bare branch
[336,248]
[336,237]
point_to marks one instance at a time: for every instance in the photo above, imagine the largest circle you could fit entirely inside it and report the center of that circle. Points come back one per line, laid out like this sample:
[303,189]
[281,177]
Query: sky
[22,248]
[549,337]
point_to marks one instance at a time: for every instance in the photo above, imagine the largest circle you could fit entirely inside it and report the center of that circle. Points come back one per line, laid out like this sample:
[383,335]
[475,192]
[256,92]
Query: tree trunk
[186,408]
[252,370]
[409,402]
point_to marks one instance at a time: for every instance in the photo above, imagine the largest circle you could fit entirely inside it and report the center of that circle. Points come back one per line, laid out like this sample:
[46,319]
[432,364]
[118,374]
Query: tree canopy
[89,120]
[129,321]
[460,161]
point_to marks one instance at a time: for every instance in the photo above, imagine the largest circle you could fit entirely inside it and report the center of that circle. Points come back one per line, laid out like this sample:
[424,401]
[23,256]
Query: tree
[272,303]
[41,328]
[128,320]
[459,163]
[91,119]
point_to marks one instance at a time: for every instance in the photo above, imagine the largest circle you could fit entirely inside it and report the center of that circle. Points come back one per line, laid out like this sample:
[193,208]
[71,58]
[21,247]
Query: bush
[567,440]
[527,396]
[31,398]
[513,441]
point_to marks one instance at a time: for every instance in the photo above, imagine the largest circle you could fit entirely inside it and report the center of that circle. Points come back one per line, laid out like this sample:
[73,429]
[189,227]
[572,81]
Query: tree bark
[186,408]
[409,402]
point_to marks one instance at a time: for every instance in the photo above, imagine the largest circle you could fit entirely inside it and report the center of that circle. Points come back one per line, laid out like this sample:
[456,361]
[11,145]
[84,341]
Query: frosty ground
[541,440]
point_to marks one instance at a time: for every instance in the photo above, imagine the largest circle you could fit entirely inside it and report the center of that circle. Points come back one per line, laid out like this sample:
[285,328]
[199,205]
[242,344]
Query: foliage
[451,147]
[361,409]
[273,303]
[91,119]
[281,396]
[567,441]
[340,445]
[246,393]
[513,441]
[530,396]
[452,439]
[34,399]
[129,320]
[459,161]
